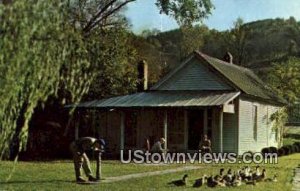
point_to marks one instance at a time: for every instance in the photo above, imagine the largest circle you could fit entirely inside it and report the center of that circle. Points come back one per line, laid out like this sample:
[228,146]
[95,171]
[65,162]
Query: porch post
[186,130]
[77,121]
[122,127]
[166,129]
[221,129]
[94,122]
[76,130]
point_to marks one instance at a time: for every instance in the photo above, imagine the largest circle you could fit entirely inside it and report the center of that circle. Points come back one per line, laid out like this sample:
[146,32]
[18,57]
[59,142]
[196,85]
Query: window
[254,115]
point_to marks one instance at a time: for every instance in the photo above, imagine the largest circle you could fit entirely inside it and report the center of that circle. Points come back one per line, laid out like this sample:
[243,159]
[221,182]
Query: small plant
[279,120]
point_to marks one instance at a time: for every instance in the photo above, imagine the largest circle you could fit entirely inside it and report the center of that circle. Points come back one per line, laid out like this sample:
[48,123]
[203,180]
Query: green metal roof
[240,78]
[163,99]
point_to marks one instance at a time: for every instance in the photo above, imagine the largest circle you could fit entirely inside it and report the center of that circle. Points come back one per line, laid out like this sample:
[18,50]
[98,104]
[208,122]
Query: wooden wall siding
[109,129]
[176,130]
[194,76]
[149,124]
[247,142]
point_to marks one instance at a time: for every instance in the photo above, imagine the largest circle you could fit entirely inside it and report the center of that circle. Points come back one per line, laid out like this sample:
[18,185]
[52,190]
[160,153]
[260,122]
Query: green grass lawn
[60,176]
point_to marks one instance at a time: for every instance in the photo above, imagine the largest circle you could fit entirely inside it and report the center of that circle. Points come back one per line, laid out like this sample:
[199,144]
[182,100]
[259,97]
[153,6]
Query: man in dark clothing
[205,145]
[78,148]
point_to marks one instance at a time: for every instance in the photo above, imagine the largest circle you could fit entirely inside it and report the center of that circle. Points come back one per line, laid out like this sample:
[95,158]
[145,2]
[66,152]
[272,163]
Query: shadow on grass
[36,181]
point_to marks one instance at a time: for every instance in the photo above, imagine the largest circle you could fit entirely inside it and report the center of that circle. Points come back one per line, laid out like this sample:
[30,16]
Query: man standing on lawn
[78,149]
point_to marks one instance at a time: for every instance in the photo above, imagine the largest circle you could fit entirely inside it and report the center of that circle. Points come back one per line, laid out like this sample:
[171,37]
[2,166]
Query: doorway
[195,128]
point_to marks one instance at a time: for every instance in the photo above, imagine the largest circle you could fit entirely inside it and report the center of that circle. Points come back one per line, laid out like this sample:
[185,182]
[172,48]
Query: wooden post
[94,122]
[186,132]
[166,129]
[221,129]
[98,167]
[122,127]
[77,121]
[205,121]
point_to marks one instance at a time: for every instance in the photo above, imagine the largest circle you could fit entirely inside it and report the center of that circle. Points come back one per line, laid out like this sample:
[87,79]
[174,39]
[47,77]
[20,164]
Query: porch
[182,125]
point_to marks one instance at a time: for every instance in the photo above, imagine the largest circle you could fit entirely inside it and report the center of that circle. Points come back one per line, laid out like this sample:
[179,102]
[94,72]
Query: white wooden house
[203,95]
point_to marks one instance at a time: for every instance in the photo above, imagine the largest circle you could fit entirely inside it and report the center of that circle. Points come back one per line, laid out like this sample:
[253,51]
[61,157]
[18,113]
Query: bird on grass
[228,176]
[181,182]
[251,182]
[215,181]
[256,173]
[274,179]
[211,182]
[199,182]
[237,181]
[221,172]
[261,177]
[246,173]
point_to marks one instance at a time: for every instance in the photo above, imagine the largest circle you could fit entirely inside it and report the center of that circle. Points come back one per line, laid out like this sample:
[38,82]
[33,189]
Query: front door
[195,130]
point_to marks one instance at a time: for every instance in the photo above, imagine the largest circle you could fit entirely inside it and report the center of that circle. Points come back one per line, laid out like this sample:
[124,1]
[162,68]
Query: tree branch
[97,18]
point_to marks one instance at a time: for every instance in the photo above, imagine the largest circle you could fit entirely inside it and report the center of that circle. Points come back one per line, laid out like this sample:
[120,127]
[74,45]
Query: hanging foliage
[279,120]
[39,55]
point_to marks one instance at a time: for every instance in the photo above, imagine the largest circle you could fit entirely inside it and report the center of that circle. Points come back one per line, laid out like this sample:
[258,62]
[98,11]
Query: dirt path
[296,180]
[144,174]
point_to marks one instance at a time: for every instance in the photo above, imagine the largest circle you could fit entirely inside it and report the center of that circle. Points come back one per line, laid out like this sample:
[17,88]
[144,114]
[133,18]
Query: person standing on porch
[205,145]
[157,147]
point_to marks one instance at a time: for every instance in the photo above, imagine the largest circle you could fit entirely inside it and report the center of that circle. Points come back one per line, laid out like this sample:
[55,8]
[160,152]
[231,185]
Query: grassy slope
[60,176]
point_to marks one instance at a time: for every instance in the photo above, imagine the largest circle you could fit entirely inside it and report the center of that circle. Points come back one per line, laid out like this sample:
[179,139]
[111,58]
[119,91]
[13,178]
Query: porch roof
[163,99]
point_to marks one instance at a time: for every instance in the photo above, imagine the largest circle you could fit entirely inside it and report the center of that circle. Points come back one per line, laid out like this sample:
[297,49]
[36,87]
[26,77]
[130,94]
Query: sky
[143,14]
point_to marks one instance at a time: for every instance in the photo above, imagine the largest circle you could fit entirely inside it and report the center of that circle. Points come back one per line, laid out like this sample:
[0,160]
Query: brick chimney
[228,58]
[142,69]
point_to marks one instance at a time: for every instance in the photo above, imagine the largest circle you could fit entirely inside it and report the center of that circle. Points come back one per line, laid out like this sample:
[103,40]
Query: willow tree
[40,54]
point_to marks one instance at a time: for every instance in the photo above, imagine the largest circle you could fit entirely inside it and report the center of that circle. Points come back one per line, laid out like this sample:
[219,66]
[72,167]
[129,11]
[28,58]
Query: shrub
[273,150]
[291,148]
[296,148]
[265,150]
[286,149]
[281,152]
[297,143]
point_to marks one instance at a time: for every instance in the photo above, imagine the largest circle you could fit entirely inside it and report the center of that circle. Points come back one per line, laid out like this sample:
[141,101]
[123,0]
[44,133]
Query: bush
[286,149]
[265,150]
[296,148]
[273,150]
[297,143]
[291,148]
[281,152]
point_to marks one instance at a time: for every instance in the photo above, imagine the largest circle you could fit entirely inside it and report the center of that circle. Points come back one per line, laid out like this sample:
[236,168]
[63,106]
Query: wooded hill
[255,45]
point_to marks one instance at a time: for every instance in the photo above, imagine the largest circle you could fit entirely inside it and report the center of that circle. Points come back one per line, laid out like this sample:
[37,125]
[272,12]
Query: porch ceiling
[163,99]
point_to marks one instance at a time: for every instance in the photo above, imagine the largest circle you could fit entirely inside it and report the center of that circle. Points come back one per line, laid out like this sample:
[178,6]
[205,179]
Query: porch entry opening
[195,128]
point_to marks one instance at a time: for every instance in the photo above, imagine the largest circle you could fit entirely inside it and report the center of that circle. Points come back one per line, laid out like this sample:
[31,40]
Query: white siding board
[194,76]
[265,134]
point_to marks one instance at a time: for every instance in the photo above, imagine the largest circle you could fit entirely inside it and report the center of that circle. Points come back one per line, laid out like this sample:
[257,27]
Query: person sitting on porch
[157,147]
[205,145]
